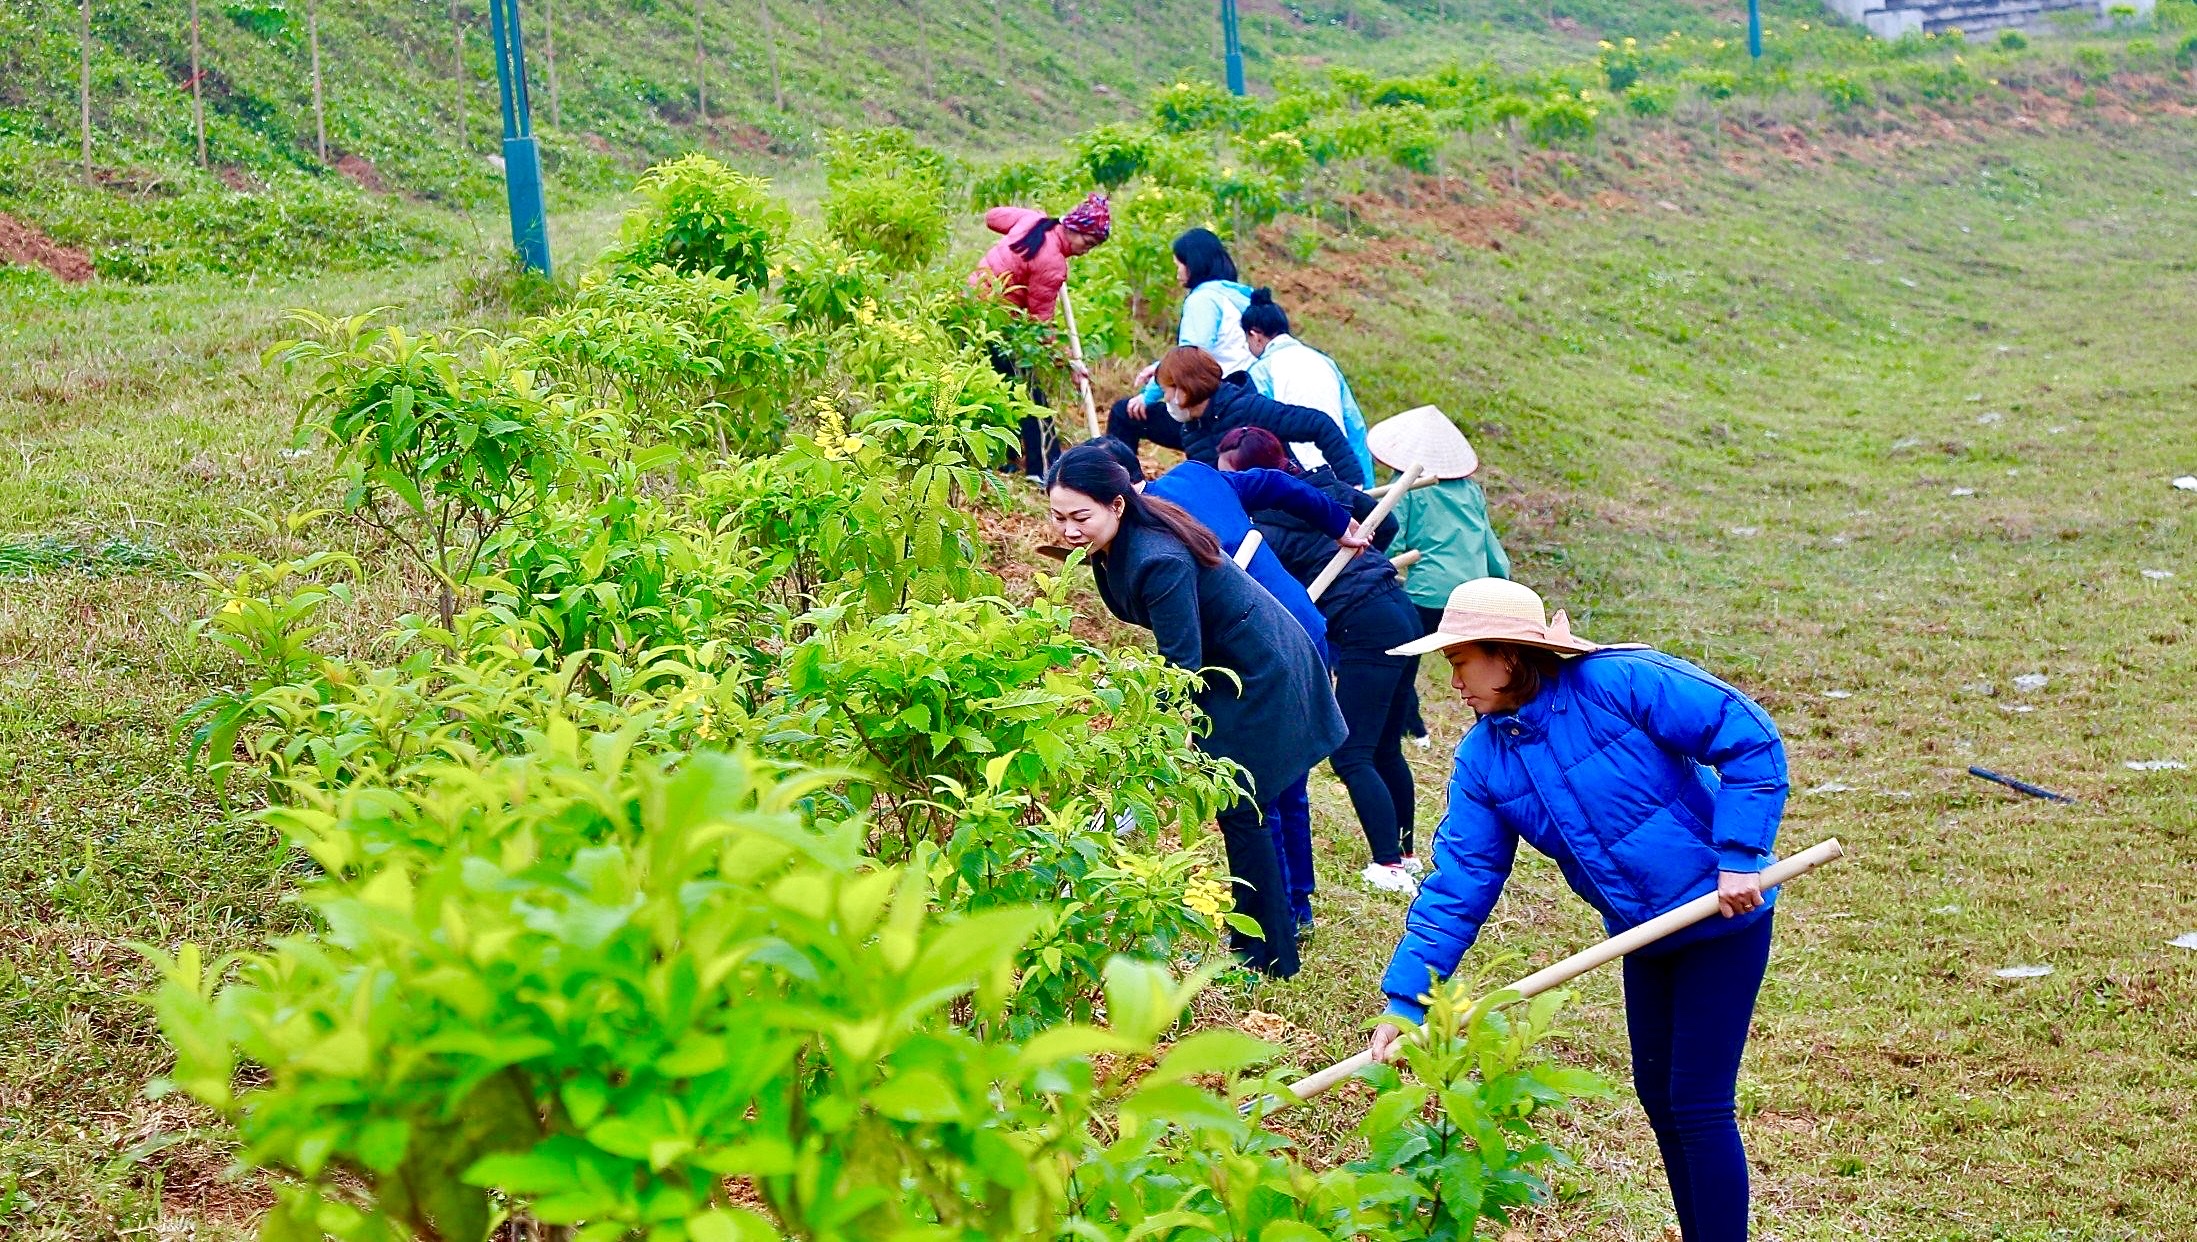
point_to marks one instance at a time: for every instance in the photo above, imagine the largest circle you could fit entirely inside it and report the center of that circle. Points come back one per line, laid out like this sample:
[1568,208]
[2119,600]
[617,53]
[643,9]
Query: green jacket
[1448,523]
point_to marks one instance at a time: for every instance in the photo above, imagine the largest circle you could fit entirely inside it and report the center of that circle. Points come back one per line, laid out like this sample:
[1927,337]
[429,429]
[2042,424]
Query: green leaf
[730,1225]
[1217,1051]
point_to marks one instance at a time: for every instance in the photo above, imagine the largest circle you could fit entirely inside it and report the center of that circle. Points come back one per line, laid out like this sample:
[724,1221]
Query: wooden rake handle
[1610,950]
[1372,523]
[1248,548]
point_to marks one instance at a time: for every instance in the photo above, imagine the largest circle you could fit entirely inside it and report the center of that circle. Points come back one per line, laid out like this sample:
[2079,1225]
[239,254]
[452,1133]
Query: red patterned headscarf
[1092,217]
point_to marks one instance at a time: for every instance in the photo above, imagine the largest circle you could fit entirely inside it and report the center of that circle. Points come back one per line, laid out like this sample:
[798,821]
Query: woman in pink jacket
[1026,268]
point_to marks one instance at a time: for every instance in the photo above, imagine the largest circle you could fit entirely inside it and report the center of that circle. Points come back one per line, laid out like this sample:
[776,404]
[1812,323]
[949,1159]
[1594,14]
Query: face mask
[1178,413]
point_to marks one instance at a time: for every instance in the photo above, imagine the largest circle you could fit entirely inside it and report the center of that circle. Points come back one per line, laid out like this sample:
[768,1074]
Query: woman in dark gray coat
[1159,569]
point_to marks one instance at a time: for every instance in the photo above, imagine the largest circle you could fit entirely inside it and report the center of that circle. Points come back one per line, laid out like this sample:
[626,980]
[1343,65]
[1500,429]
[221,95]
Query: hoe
[1610,950]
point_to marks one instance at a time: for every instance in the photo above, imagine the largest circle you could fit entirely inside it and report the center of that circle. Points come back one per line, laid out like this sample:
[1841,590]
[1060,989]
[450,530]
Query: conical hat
[1425,436]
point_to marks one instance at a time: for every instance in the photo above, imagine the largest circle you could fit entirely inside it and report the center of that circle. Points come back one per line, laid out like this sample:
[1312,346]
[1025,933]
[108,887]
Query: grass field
[1870,425]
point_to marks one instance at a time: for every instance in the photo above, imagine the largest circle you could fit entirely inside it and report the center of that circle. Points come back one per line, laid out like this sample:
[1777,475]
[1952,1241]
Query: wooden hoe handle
[1372,523]
[1615,947]
[1248,548]
[1075,351]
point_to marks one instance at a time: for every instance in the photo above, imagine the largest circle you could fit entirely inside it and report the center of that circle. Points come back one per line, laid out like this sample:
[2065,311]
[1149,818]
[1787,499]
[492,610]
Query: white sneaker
[1424,741]
[1412,864]
[1389,878]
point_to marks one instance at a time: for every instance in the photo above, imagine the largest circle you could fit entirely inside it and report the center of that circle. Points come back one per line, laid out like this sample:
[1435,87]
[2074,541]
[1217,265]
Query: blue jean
[1687,1012]
[1290,820]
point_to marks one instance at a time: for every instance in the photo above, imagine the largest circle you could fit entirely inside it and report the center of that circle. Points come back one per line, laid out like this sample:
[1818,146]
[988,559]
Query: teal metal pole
[1234,47]
[1754,28]
[522,155]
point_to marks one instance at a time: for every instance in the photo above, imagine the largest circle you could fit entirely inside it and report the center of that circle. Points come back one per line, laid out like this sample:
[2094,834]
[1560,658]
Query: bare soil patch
[362,173]
[25,244]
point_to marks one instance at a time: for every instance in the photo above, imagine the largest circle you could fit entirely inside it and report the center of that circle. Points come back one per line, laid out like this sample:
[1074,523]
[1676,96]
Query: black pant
[1375,692]
[1430,620]
[1155,426]
[1260,891]
[1040,440]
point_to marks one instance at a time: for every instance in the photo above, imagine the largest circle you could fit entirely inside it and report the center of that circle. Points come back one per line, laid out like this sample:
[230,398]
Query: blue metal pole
[1234,46]
[522,155]
[1754,28]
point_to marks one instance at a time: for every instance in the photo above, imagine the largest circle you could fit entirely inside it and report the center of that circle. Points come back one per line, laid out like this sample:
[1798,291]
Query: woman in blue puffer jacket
[1650,783]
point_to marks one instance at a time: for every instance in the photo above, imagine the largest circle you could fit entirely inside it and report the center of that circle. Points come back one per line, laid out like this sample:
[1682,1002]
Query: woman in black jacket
[1271,708]
[1207,409]
[1367,613]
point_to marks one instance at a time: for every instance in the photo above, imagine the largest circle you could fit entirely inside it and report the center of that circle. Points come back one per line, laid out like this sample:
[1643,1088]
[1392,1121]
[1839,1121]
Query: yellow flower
[1718,44]
[1607,46]
[1204,895]
[1631,42]
[233,607]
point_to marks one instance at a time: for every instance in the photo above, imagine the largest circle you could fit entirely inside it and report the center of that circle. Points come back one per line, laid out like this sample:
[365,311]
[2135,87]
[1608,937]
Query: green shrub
[1651,99]
[1621,65]
[1711,83]
[439,452]
[2011,40]
[2093,64]
[985,694]
[1112,154]
[577,988]
[904,225]
[690,356]
[2185,52]
[1413,141]
[1192,107]
[1461,1156]
[1030,183]
[700,216]
[823,282]
[862,152]
[1560,120]
[1843,93]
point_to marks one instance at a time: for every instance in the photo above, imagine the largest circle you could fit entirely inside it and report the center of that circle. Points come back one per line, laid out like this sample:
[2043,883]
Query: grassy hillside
[1870,412]
[966,73]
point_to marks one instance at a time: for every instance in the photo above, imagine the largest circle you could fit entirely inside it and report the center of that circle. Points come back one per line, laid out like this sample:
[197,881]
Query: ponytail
[1033,241]
[1204,548]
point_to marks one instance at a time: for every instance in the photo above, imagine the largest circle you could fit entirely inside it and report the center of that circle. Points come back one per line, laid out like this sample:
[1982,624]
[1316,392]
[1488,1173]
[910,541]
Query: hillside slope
[969,74]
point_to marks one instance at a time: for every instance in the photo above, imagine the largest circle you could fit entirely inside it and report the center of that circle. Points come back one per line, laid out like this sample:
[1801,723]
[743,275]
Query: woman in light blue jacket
[1212,320]
[1650,783]
[1294,373]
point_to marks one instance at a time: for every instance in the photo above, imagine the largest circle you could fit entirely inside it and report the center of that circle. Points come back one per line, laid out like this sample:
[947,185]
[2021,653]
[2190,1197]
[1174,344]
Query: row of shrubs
[720,850]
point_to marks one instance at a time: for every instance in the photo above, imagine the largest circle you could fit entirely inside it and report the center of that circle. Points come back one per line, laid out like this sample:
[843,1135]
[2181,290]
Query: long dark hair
[1092,470]
[1264,316]
[1033,241]
[1203,258]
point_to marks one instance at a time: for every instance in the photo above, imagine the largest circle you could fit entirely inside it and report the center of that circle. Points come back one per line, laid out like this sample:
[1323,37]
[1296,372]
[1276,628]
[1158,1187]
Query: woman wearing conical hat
[1447,522]
[1650,783]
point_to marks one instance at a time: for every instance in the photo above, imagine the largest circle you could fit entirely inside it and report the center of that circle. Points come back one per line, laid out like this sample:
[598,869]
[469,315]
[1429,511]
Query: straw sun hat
[1425,436]
[1499,611]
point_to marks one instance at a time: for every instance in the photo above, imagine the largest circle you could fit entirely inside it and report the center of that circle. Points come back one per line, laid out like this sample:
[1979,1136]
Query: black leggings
[1040,439]
[1260,891]
[1155,426]
[1375,692]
